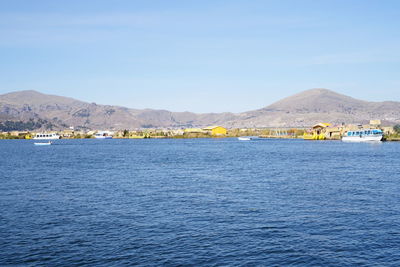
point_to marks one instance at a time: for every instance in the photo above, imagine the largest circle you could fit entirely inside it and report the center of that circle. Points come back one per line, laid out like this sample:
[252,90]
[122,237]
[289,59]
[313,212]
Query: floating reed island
[320,131]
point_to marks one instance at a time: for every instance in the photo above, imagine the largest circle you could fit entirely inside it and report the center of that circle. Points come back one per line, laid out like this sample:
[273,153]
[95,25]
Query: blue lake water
[199,202]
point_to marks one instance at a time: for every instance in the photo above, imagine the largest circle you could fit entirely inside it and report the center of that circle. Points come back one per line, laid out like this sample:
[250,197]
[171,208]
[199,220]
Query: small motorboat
[103,135]
[42,144]
[248,138]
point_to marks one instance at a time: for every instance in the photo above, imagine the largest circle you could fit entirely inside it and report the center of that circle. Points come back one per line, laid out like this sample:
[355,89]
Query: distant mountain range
[300,110]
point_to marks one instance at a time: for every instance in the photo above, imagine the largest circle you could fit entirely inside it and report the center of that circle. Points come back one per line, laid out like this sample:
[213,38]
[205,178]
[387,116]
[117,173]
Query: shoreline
[390,139]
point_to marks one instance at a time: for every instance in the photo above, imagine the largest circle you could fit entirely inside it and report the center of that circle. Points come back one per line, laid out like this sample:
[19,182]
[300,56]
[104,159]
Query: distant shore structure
[216,130]
[319,131]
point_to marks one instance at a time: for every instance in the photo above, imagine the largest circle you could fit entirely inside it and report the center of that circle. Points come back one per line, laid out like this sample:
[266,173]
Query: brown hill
[316,105]
[64,112]
[300,110]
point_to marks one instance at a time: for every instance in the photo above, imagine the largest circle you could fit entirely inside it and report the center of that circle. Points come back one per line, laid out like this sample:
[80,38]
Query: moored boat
[314,136]
[46,136]
[248,138]
[103,135]
[363,135]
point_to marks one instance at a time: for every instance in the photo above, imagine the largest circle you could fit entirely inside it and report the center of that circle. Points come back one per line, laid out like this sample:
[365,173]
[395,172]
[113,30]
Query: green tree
[397,128]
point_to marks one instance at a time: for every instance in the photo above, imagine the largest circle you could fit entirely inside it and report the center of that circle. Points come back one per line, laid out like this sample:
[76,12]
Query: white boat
[46,136]
[364,135]
[103,135]
[42,144]
[247,138]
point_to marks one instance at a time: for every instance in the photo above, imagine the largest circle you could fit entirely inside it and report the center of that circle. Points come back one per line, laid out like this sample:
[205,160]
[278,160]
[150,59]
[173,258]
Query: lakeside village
[320,131]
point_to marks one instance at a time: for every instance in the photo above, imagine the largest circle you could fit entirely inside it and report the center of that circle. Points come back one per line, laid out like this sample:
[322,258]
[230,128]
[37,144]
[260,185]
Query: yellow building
[318,132]
[216,130]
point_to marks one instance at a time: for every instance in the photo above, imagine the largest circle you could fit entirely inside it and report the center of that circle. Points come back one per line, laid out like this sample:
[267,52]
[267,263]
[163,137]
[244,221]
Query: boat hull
[377,138]
[55,137]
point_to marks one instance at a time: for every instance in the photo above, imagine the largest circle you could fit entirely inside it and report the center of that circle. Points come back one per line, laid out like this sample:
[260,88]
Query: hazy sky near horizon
[201,56]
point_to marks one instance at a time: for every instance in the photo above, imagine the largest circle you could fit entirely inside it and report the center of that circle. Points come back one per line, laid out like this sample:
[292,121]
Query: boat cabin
[365,132]
[46,135]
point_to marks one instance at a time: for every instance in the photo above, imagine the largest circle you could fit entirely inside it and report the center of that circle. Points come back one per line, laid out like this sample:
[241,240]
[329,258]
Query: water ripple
[199,202]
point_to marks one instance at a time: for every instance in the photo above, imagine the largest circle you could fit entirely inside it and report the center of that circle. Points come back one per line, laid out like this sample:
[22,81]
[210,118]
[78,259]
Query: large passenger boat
[46,136]
[363,135]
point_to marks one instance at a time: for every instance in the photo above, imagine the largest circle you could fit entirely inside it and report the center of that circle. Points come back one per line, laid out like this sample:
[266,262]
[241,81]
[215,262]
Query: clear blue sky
[202,56]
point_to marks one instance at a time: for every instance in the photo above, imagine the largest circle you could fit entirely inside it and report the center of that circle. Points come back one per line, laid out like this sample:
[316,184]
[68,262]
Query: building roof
[323,125]
[212,127]
[193,130]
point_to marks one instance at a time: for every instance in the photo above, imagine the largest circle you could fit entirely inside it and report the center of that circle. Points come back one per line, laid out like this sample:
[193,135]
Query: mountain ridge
[299,110]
